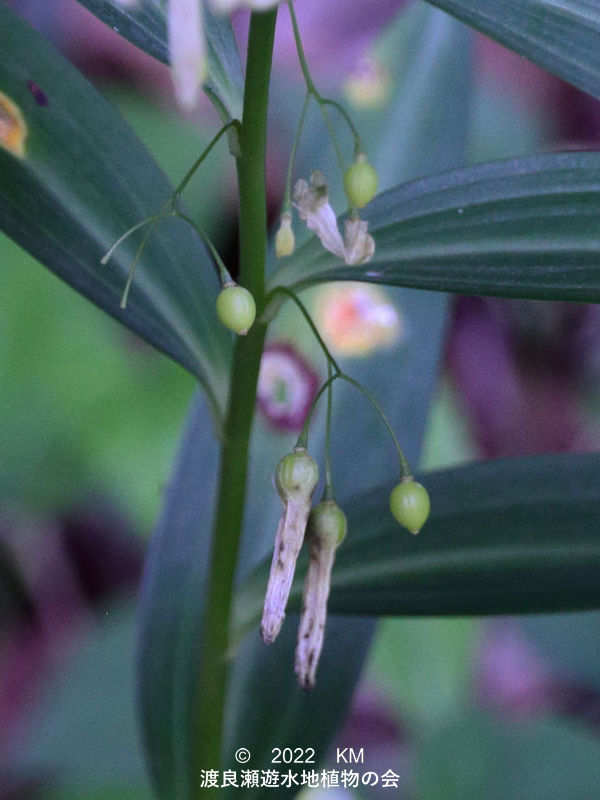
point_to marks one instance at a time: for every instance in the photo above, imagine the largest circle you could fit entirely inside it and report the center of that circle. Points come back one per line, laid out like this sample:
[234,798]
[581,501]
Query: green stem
[190,173]
[293,296]
[405,470]
[222,271]
[140,250]
[328,494]
[332,136]
[287,202]
[303,438]
[322,101]
[251,164]
[310,86]
[212,681]
[340,108]
[333,372]
[106,257]
[173,201]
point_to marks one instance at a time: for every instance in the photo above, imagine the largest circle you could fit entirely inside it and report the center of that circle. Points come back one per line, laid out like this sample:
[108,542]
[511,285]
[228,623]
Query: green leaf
[504,537]
[524,227]
[145,25]
[82,731]
[171,612]
[424,665]
[84,180]
[475,756]
[435,92]
[569,644]
[561,36]
[268,710]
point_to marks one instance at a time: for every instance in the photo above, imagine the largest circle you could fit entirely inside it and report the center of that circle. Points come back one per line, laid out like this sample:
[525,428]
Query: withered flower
[296,477]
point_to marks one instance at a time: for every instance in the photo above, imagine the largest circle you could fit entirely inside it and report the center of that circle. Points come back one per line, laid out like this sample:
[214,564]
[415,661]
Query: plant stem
[303,438]
[140,250]
[304,311]
[222,271]
[212,684]
[328,494]
[322,101]
[193,169]
[405,470]
[287,200]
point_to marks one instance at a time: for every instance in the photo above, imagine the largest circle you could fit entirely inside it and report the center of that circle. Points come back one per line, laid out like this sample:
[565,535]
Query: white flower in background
[312,201]
[187,51]
[187,42]
[357,319]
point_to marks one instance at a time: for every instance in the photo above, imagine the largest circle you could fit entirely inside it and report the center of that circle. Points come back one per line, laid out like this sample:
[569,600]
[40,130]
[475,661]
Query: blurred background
[90,419]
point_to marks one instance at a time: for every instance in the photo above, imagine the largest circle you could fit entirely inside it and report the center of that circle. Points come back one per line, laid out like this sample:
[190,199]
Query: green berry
[236,308]
[328,524]
[360,182]
[297,474]
[409,503]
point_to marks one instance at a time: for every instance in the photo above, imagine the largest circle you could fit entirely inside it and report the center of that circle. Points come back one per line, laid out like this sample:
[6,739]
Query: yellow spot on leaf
[13,128]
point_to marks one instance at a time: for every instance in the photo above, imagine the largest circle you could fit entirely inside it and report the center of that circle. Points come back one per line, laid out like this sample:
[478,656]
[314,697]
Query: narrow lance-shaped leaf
[505,537]
[81,181]
[525,227]
[171,612]
[145,25]
[560,36]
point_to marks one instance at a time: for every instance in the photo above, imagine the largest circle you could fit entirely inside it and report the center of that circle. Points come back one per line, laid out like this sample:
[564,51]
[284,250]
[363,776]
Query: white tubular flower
[187,50]
[187,42]
[312,201]
[326,529]
[296,477]
[360,245]
[311,632]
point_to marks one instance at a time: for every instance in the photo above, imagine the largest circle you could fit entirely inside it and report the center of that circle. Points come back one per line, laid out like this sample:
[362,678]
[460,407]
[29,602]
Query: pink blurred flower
[509,675]
[287,385]
[520,374]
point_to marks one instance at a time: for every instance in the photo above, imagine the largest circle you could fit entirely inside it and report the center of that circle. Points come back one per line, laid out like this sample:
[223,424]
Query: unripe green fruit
[409,503]
[297,474]
[236,308]
[328,524]
[360,182]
